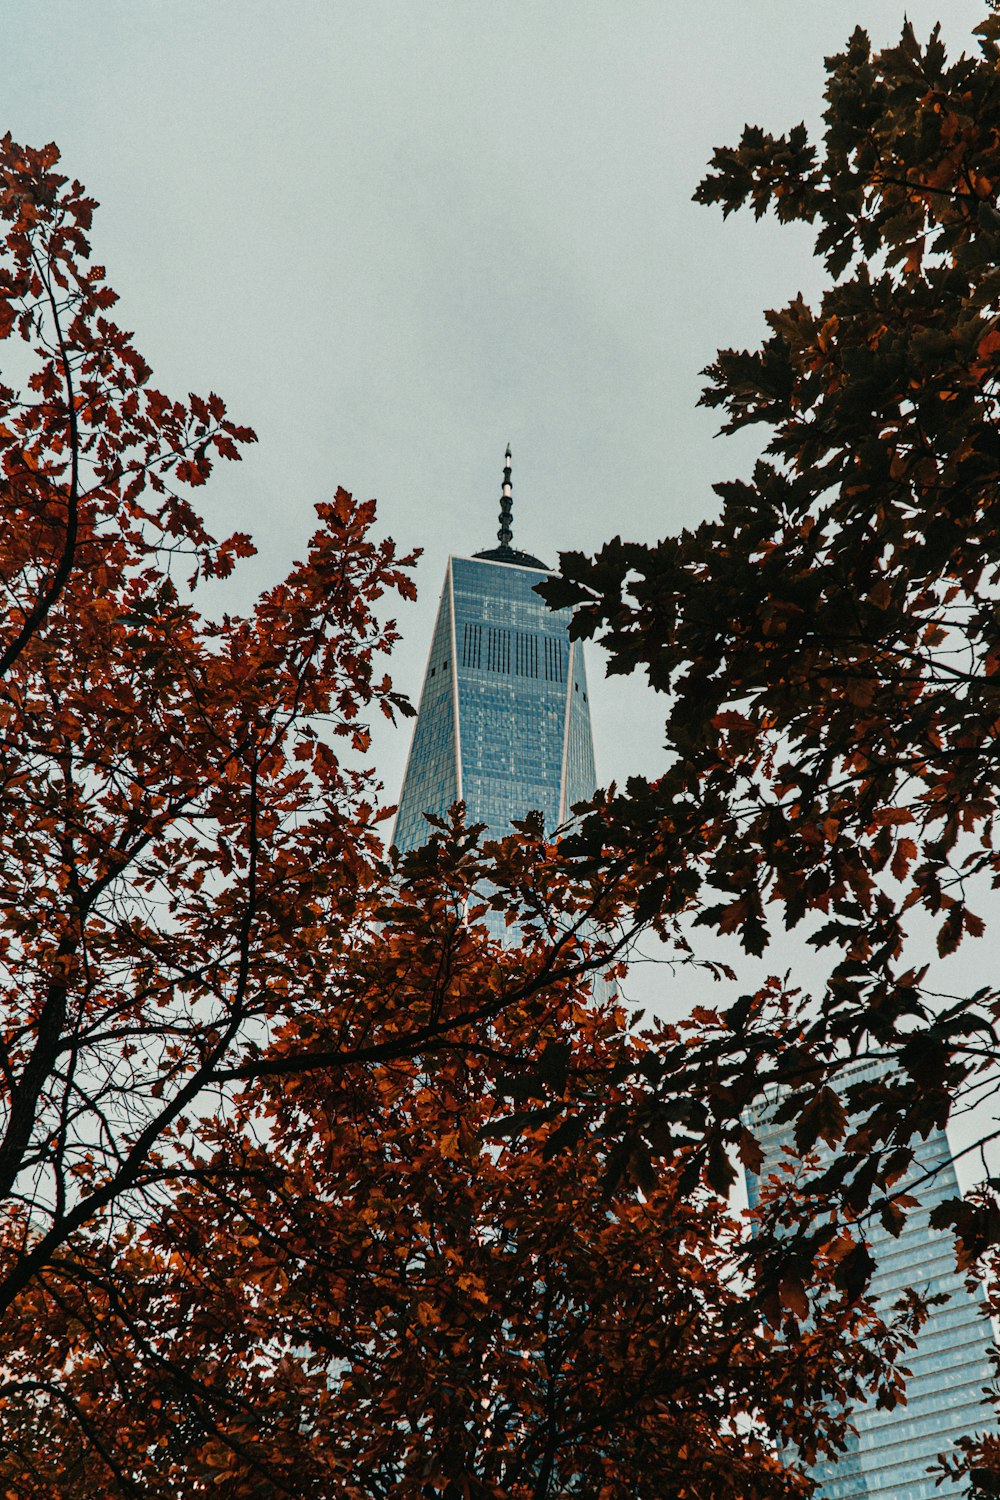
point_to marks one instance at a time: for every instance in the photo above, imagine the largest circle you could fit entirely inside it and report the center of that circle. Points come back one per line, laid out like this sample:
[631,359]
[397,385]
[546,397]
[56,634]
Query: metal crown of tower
[505,552]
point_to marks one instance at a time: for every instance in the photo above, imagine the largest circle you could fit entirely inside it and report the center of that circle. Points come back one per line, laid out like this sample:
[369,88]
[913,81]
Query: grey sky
[394,236]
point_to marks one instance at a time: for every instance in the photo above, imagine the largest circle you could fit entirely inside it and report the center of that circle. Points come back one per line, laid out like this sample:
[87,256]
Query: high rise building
[503,723]
[504,726]
[889,1457]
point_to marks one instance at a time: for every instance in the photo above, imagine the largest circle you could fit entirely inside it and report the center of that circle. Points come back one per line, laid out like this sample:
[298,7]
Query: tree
[165,781]
[830,644]
[415,1279]
[307,1185]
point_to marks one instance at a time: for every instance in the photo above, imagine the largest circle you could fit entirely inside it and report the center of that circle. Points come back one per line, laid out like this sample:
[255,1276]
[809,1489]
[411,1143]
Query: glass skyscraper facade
[504,722]
[504,726]
[889,1457]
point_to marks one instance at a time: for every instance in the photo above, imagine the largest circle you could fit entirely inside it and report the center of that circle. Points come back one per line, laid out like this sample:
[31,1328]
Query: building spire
[505,553]
[506,503]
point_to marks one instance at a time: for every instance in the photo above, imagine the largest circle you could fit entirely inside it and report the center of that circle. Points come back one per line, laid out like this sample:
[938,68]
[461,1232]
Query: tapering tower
[504,722]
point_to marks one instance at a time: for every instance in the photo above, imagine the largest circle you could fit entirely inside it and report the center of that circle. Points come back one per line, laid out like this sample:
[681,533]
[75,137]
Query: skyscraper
[889,1457]
[504,726]
[503,723]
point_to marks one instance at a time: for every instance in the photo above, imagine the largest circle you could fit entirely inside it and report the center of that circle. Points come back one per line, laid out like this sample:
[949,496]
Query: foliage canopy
[830,643]
[310,1188]
[307,1187]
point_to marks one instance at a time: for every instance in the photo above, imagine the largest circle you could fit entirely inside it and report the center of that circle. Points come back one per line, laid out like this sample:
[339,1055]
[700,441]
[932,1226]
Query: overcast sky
[396,236]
